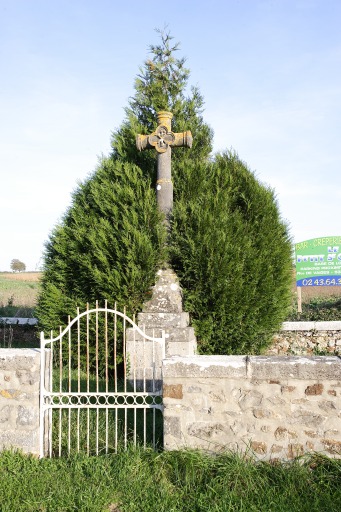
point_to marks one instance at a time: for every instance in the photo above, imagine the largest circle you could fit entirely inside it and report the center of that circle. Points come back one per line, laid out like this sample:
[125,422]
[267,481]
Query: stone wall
[275,407]
[19,399]
[307,338]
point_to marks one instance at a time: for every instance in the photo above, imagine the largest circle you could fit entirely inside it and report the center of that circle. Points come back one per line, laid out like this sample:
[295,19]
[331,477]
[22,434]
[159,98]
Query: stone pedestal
[163,312]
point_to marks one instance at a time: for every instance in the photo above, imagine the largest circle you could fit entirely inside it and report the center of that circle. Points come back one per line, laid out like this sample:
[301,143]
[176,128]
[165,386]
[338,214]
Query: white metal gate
[91,400]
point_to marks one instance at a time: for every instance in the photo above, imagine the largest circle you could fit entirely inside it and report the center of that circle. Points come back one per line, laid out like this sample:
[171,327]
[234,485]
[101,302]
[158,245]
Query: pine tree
[228,244]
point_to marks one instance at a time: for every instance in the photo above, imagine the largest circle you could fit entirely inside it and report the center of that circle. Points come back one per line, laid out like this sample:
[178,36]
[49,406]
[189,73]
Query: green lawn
[143,481]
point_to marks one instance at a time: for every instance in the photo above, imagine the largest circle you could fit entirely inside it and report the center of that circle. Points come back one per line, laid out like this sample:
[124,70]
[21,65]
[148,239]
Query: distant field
[21,276]
[325,292]
[18,290]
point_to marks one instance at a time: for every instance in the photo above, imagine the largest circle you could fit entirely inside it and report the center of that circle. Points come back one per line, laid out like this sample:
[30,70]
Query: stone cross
[163,139]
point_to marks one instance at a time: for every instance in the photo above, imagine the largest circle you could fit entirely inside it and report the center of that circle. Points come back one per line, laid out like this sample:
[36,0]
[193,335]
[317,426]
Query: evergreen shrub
[109,246]
[228,244]
[232,254]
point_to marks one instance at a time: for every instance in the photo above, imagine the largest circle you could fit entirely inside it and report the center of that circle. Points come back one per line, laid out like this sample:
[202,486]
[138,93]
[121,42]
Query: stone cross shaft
[163,139]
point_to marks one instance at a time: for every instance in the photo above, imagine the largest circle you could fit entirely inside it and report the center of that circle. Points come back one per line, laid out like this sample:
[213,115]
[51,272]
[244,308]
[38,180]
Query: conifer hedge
[228,244]
[232,254]
[109,245]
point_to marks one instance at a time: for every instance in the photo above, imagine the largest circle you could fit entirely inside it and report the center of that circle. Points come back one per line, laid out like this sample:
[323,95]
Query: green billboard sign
[318,262]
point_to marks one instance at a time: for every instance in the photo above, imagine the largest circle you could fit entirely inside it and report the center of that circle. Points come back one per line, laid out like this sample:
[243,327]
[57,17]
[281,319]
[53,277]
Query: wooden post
[299,299]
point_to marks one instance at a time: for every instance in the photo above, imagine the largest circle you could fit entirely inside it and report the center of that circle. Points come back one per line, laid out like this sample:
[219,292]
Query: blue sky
[269,71]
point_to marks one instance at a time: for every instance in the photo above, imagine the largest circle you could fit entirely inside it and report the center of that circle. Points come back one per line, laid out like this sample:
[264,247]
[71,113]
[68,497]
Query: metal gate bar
[85,405]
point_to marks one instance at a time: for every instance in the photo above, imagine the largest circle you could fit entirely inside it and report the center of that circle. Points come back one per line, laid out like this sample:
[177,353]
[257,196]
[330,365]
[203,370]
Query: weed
[10,301]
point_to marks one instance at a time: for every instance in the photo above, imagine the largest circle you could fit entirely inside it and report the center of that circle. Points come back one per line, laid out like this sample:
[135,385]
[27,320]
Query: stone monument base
[163,312]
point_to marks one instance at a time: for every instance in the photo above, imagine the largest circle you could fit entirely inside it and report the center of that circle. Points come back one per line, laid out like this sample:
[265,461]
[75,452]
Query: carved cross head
[161,139]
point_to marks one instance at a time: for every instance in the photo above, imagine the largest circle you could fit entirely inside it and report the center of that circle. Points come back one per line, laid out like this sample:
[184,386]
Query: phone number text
[321,281]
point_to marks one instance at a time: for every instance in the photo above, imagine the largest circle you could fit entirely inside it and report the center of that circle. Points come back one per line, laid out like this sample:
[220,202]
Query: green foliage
[181,481]
[318,309]
[14,311]
[232,254]
[228,244]
[109,245]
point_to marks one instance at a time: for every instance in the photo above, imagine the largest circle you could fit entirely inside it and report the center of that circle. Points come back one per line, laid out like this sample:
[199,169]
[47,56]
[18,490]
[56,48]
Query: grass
[18,293]
[87,433]
[146,481]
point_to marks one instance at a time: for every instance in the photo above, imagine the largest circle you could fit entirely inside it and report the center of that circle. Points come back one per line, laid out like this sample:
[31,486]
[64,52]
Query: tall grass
[186,481]
[18,293]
